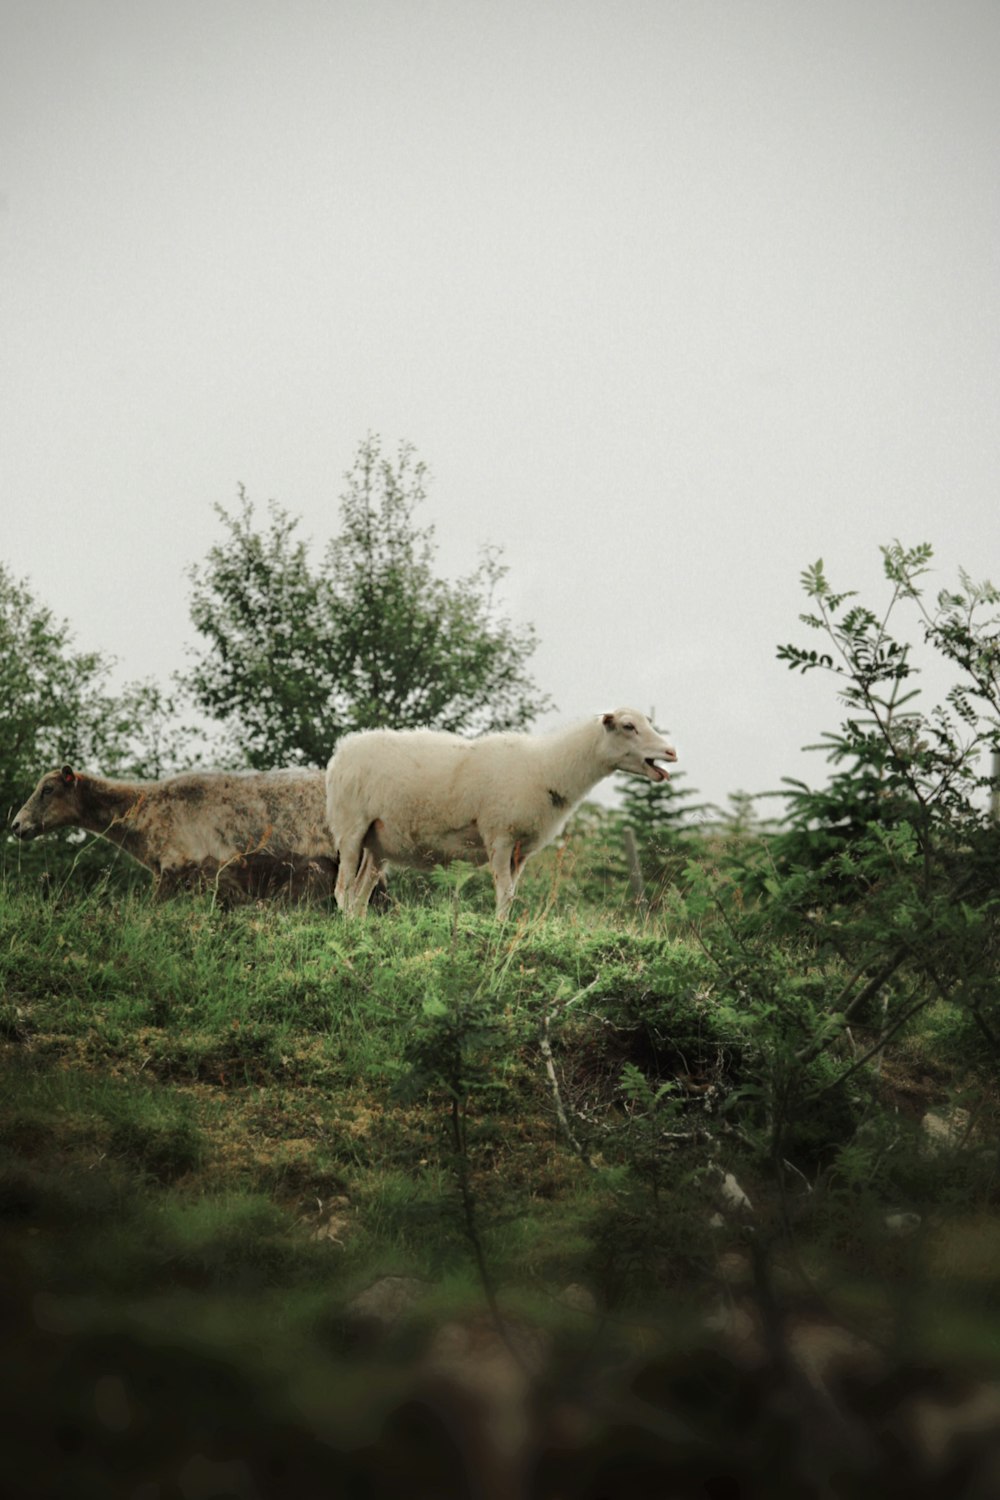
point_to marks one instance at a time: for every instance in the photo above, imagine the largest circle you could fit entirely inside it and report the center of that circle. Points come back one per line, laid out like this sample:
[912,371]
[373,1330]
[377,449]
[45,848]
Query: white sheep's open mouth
[658,773]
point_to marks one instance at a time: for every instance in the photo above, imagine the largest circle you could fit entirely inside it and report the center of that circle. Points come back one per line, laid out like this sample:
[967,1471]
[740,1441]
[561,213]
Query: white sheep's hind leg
[350,854]
[505,867]
[365,882]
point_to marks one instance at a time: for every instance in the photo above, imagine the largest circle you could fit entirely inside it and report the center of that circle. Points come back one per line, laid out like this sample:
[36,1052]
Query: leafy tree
[666,823]
[893,763]
[877,906]
[897,860]
[297,654]
[43,689]
[56,704]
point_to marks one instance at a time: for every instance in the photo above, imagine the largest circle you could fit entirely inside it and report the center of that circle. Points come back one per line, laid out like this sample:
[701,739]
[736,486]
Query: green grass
[216,1128]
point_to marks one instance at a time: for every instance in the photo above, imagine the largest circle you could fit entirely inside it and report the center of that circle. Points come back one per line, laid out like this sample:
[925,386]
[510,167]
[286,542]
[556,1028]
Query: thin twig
[545,1047]
[815,1047]
[472,1230]
[867,1056]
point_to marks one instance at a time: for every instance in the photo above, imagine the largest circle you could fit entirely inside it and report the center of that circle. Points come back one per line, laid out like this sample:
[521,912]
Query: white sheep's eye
[630,729]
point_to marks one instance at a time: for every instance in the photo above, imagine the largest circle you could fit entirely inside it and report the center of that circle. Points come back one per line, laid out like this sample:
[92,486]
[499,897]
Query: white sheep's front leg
[506,864]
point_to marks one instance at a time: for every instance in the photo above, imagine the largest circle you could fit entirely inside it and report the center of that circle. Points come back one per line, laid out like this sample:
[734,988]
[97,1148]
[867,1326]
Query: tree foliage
[874,909]
[298,654]
[896,861]
[57,703]
[666,822]
[895,763]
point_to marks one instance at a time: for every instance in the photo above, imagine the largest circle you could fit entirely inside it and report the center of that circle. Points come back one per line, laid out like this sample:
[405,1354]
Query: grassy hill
[428,1206]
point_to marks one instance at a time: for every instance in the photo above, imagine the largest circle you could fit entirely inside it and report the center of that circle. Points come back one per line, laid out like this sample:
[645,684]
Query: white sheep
[422,797]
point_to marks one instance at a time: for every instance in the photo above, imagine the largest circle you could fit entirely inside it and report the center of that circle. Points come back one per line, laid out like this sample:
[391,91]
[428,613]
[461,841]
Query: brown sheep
[247,834]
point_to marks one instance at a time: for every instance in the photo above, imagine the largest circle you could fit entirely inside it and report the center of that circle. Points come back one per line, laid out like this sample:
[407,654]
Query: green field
[220,1130]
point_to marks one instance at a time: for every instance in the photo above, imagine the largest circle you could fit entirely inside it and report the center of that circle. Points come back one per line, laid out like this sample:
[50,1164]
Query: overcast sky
[673,297]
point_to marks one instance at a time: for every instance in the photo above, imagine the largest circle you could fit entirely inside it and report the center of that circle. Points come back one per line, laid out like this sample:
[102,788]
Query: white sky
[673,297]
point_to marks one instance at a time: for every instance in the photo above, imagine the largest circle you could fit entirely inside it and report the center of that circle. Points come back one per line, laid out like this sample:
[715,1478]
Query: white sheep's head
[633,745]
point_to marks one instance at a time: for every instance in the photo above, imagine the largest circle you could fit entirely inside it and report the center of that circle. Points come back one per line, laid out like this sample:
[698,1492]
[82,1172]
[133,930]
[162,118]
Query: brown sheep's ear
[68,775]
[609,721]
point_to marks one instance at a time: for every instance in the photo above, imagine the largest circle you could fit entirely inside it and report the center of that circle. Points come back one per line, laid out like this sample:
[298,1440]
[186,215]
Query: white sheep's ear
[609,721]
